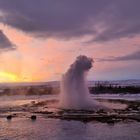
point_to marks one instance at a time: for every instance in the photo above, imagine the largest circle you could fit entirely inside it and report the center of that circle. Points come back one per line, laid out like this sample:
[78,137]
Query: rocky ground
[47,110]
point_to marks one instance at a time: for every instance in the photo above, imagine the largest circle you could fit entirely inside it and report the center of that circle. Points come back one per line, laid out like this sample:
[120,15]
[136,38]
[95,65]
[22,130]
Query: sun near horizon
[6,77]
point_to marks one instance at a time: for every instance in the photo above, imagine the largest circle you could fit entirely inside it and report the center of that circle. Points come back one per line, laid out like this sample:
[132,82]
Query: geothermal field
[69,69]
[71,109]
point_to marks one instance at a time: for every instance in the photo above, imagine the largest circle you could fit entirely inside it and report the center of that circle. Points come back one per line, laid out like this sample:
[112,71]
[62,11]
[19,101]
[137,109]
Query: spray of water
[74,89]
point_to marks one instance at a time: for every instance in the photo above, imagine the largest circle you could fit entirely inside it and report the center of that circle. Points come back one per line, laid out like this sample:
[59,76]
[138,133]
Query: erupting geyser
[74,89]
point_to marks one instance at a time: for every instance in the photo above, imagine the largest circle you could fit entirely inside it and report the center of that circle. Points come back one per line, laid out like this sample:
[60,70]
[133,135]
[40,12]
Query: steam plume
[74,89]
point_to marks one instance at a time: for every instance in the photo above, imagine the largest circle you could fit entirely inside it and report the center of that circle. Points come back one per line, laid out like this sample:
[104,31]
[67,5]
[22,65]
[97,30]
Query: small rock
[9,117]
[33,117]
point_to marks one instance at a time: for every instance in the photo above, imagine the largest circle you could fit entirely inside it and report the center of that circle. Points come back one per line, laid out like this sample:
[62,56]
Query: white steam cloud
[74,89]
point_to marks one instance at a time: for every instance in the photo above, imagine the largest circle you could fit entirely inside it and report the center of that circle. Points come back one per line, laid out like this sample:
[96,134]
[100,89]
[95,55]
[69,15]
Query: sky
[39,39]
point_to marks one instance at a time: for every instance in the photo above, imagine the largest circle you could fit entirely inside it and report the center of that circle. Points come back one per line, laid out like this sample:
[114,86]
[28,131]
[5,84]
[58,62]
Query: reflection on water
[112,105]
[19,100]
[22,128]
[48,129]
[129,97]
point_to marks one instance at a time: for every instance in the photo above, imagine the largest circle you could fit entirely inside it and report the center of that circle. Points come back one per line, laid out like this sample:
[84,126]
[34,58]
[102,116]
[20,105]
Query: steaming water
[22,128]
[74,89]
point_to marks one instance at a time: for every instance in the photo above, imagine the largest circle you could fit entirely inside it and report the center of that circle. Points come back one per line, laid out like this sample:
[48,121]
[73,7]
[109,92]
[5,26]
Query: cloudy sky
[39,39]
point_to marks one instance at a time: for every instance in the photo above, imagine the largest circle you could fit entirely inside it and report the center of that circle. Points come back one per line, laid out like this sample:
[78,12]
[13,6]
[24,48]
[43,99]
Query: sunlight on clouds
[44,59]
[16,36]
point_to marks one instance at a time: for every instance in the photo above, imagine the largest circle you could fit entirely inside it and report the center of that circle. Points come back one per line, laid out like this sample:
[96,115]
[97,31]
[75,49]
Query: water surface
[53,129]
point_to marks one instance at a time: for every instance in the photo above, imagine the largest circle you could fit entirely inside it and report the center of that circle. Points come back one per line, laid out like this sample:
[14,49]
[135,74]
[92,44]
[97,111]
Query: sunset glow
[69,69]
[8,77]
[38,44]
